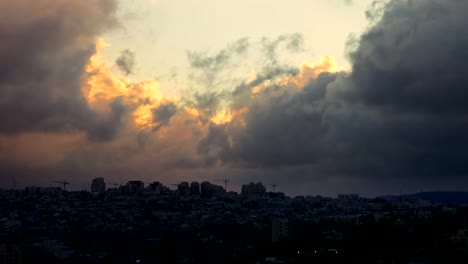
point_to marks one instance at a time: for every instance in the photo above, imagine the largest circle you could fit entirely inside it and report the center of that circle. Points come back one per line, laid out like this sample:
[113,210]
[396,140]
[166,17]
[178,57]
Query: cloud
[399,115]
[43,57]
[62,111]
[397,118]
[162,114]
[207,68]
[126,61]
[406,91]
[270,46]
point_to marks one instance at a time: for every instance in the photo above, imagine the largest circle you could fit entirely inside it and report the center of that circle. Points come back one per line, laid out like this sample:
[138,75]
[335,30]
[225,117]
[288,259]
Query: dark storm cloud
[407,115]
[43,59]
[400,113]
[282,127]
[126,61]
[414,59]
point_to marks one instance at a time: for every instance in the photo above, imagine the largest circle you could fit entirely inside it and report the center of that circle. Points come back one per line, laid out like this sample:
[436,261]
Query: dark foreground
[122,226]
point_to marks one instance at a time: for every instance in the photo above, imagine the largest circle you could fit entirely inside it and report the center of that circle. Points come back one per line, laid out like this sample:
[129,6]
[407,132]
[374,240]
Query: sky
[161,33]
[317,97]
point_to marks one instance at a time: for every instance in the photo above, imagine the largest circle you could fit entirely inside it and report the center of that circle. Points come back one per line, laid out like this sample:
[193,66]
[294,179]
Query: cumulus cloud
[43,58]
[56,88]
[408,75]
[400,113]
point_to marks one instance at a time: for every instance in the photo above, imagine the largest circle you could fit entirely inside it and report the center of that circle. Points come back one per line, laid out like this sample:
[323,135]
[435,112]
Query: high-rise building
[135,186]
[253,189]
[208,189]
[98,185]
[183,189]
[157,188]
[195,188]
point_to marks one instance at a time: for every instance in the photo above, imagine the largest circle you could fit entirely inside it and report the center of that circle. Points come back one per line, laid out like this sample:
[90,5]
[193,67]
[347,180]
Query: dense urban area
[202,223]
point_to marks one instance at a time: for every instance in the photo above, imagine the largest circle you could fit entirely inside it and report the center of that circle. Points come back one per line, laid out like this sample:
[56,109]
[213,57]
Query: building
[183,189]
[208,189]
[135,186]
[98,185]
[195,188]
[348,197]
[156,187]
[253,189]
[279,230]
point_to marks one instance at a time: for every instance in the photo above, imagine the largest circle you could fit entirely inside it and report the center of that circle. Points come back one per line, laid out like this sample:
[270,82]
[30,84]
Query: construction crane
[115,185]
[274,187]
[225,183]
[64,184]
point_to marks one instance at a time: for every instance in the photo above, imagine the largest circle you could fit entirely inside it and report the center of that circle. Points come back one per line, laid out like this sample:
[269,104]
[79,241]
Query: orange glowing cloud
[311,70]
[222,117]
[101,87]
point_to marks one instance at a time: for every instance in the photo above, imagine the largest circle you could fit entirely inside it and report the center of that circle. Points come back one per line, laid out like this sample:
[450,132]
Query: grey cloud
[242,93]
[207,103]
[400,114]
[215,146]
[207,68]
[295,43]
[406,93]
[376,10]
[282,127]
[106,125]
[413,59]
[163,114]
[126,61]
[40,81]
[292,42]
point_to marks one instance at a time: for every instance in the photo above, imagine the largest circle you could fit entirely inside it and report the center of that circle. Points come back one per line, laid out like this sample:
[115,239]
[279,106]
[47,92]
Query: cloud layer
[398,117]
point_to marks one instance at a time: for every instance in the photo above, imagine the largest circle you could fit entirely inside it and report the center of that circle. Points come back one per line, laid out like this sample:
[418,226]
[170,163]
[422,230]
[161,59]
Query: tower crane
[274,187]
[115,185]
[225,183]
[65,183]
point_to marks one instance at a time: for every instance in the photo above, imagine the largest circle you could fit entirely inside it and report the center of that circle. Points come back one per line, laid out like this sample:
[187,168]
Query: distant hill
[435,197]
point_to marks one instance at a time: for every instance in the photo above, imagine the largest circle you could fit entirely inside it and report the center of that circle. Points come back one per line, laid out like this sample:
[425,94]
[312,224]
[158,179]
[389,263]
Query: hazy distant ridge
[435,197]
